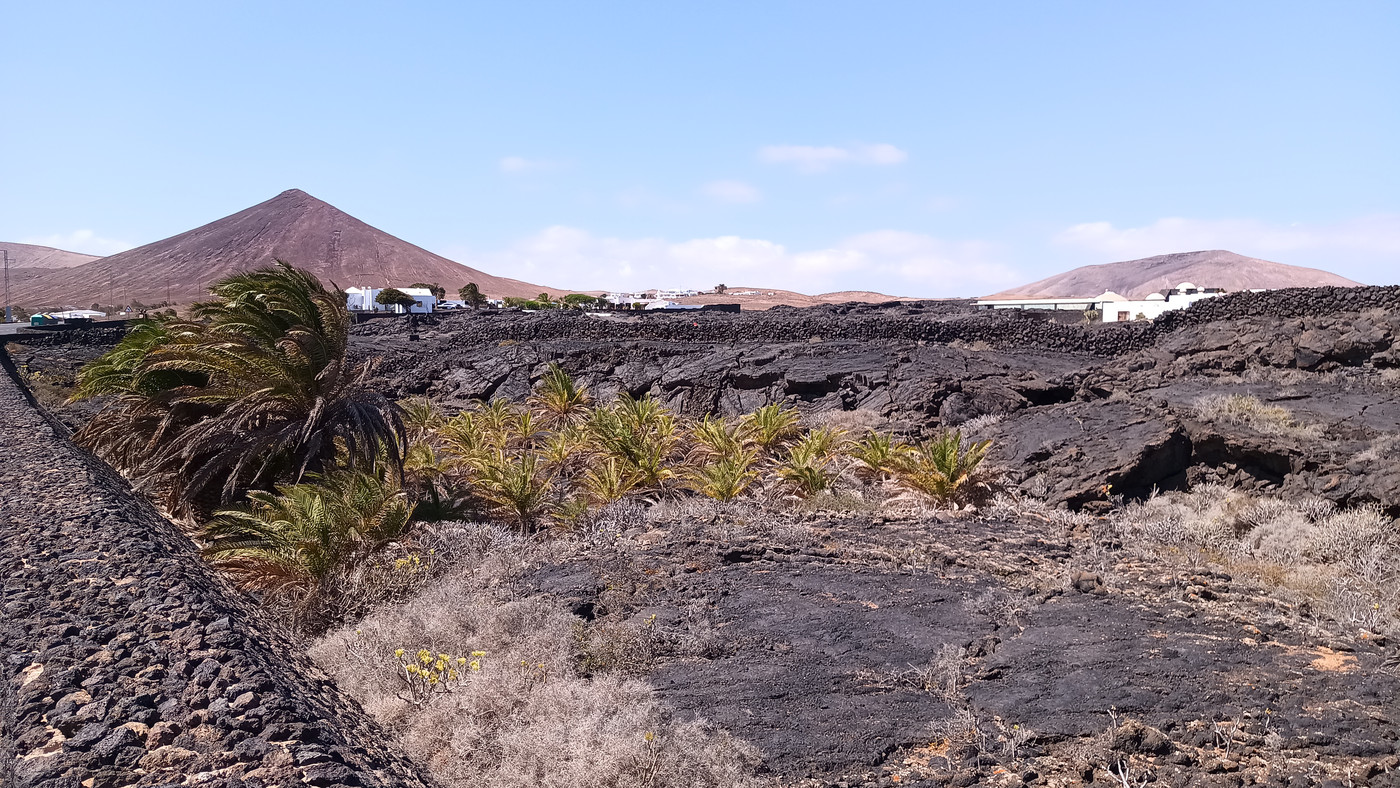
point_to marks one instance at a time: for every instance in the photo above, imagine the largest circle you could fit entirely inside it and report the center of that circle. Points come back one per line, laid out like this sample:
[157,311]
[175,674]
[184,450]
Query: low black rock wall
[1005,329]
[1289,302]
[128,661]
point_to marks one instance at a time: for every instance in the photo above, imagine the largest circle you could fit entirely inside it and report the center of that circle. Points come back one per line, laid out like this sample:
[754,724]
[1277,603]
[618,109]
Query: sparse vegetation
[1347,560]
[1254,413]
[549,700]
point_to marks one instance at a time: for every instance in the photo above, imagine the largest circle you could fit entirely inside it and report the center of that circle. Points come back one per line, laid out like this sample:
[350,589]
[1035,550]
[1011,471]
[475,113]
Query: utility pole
[9,310]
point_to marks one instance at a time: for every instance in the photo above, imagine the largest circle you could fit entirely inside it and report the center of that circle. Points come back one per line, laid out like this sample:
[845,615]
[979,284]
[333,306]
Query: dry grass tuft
[1345,560]
[1252,412]
[1383,448]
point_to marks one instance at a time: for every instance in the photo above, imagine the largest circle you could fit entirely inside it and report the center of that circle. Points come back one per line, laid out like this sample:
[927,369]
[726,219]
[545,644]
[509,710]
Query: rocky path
[128,662]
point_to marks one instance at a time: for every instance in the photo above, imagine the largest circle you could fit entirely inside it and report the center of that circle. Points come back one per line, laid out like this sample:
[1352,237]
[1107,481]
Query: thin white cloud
[731,191]
[515,165]
[85,241]
[891,261]
[1367,246]
[820,158]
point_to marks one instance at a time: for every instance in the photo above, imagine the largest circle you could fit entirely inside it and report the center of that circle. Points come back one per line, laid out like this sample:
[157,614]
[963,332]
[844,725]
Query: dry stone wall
[932,323]
[129,662]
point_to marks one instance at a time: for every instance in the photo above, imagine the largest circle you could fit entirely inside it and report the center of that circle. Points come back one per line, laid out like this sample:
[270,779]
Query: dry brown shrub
[1346,561]
[527,717]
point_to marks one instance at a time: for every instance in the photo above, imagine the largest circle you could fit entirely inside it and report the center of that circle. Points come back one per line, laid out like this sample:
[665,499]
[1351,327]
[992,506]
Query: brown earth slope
[29,262]
[32,256]
[293,226]
[766,298]
[1138,278]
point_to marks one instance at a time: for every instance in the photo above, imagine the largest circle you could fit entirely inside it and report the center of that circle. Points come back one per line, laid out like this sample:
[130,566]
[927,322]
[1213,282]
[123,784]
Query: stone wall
[1006,329]
[128,661]
[1289,302]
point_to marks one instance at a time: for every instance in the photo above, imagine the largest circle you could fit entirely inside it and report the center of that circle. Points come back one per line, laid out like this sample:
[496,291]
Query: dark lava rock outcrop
[857,650]
[128,661]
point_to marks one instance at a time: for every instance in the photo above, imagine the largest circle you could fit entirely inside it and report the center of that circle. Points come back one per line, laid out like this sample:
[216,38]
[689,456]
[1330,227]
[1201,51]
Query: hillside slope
[1213,268]
[32,256]
[293,226]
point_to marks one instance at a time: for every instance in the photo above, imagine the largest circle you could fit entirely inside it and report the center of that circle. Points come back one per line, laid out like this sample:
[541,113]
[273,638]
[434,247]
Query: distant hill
[1138,278]
[31,256]
[293,226]
[29,262]
[767,298]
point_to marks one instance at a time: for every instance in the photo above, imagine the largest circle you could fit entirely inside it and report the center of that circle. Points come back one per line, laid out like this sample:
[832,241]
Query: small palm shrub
[724,478]
[559,399]
[876,457]
[806,466]
[518,487]
[716,436]
[287,544]
[771,426]
[943,468]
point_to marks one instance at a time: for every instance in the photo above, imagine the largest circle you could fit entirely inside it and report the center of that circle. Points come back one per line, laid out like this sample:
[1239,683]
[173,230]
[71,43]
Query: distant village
[1110,307]
[422,300]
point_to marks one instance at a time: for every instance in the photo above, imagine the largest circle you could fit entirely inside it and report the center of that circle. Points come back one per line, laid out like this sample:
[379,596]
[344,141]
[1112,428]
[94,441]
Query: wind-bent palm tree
[254,390]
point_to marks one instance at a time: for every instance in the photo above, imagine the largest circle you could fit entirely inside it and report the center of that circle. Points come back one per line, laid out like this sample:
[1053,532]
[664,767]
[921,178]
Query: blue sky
[921,148]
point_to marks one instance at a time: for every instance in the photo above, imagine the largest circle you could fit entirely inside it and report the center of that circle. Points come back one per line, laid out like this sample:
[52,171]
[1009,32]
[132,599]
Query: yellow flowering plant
[427,675]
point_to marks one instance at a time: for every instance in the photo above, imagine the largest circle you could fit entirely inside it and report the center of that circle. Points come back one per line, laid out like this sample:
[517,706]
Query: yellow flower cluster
[427,674]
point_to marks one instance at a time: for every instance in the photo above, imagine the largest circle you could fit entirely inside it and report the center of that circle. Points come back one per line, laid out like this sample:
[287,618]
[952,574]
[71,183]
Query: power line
[9,313]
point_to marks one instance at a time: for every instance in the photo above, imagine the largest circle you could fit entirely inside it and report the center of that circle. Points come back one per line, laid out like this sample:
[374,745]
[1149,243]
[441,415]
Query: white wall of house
[1153,308]
[361,299]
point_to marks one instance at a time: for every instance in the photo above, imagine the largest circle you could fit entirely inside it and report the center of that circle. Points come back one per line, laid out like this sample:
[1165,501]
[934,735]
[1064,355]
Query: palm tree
[771,426]
[471,294]
[253,391]
[288,544]
[943,467]
[559,398]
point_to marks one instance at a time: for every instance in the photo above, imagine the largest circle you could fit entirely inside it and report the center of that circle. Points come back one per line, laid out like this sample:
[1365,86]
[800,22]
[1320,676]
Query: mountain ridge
[1207,268]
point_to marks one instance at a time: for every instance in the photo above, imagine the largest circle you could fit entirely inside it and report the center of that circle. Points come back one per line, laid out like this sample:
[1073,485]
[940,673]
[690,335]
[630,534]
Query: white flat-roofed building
[1113,307]
[361,299]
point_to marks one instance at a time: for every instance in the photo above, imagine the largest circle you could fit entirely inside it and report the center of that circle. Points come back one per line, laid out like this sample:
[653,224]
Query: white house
[676,293]
[1113,307]
[1155,304]
[1079,304]
[627,298]
[361,299]
[425,298]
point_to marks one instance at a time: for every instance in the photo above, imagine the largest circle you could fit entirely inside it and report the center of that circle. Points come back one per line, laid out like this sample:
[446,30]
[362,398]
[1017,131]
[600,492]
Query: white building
[1113,307]
[676,293]
[1155,304]
[627,298]
[361,299]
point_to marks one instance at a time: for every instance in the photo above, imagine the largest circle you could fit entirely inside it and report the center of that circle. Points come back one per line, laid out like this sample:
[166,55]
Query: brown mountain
[1138,278]
[29,262]
[293,226]
[31,256]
